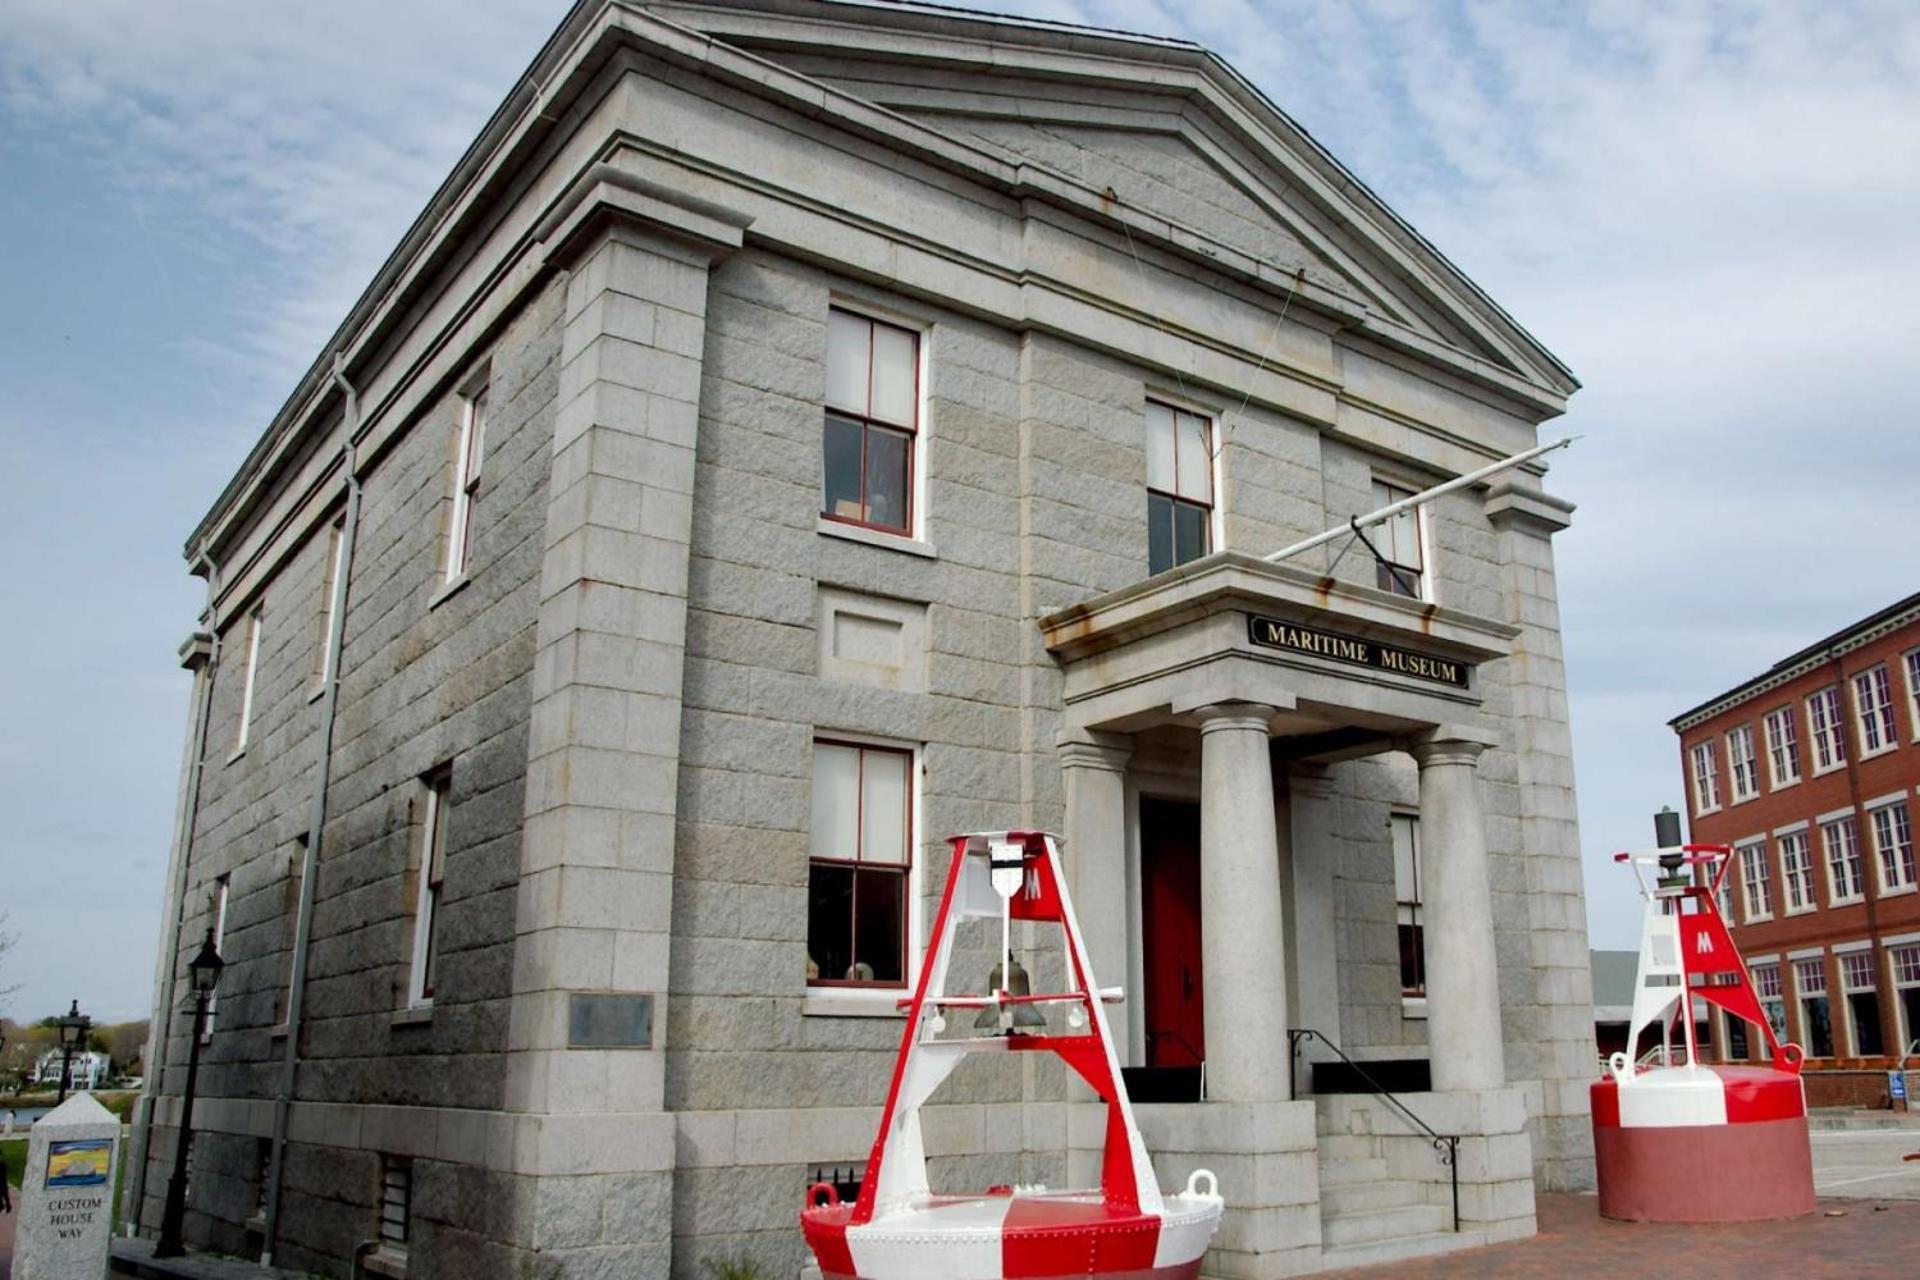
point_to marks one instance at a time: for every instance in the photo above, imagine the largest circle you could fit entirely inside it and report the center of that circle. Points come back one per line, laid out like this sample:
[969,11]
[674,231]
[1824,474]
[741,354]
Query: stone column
[1315,948]
[1243,934]
[1463,976]
[1093,769]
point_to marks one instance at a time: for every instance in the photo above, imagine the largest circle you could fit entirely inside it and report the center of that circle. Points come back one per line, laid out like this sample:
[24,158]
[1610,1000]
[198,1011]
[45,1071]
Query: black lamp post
[205,969]
[73,1031]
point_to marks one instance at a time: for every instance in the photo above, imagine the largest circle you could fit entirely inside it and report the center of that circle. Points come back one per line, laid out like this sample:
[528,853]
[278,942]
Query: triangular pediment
[1165,126]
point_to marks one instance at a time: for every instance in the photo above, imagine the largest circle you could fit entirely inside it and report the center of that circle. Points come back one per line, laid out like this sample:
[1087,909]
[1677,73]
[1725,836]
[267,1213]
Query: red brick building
[1811,771]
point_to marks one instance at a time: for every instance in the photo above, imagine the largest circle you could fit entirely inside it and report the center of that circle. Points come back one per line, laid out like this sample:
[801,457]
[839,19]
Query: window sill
[385,1262]
[1782,786]
[1853,901]
[1897,891]
[1413,1008]
[236,754]
[419,1015]
[1801,911]
[1821,771]
[875,538]
[1758,919]
[828,1002]
[1877,752]
[448,591]
[1701,813]
[1740,800]
[278,1033]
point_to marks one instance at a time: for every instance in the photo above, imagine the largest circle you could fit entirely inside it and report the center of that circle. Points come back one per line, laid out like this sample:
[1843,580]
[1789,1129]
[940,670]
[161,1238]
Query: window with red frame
[872,418]
[1179,486]
[858,880]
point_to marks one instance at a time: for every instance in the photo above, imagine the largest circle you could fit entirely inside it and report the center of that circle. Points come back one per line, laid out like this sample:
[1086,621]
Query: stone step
[1353,1198]
[1376,1252]
[1349,1146]
[1386,1224]
[1346,1173]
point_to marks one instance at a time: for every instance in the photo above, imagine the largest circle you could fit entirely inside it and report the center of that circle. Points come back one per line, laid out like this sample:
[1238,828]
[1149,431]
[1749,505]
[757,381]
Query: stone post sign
[66,1194]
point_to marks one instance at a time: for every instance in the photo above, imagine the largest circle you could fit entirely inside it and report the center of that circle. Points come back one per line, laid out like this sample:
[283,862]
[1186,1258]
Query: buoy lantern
[1689,1142]
[899,1229]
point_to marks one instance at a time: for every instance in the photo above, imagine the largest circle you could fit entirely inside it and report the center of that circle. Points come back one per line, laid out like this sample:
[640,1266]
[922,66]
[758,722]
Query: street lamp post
[205,970]
[73,1031]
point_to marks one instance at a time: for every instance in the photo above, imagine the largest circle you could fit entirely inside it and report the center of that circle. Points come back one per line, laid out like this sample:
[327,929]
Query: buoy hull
[1746,1158]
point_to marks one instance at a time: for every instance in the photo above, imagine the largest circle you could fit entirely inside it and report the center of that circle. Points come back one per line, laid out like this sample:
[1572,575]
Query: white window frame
[1910,664]
[1753,853]
[431,877]
[1899,822]
[469,465]
[1801,995]
[1776,1017]
[1409,900]
[1422,531]
[1826,730]
[1783,746]
[1706,778]
[914,539]
[255,620]
[329,590]
[1907,1034]
[1741,764]
[1873,711]
[882,1002]
[1842,953]
[1846,823]
[1791,841]
[1216,504]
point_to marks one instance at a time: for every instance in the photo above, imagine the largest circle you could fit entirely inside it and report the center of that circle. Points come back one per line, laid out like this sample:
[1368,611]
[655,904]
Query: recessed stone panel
[872,640]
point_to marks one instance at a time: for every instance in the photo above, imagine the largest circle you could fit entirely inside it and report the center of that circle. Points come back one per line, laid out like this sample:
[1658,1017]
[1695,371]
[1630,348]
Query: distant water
[23,1117]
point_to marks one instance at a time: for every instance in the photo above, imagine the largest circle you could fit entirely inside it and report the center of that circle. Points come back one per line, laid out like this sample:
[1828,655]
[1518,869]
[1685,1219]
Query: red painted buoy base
[1705,1173]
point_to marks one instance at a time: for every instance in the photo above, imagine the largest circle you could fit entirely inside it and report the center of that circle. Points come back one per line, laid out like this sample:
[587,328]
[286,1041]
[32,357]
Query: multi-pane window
[1913,691]
[433,864]
[1724,892]
[1738,1047]
[1783,746]
[872,417]
[471,453]
[1829,743]
[1863,1003]
[1893,846]
[1406,892]
[1402,544]
[1873,704]
[1179,486]
[396,1203]
[1816,1018]
[248,673]
[1796,871]
[1706,778]
[1758,881]
[329,587]
[1741,767]
[862,859]
[1766,984]
[1906,990]
[1846,879]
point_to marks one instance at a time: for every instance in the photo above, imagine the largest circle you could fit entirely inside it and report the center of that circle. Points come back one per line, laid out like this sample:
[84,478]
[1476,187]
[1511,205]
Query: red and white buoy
[1694,1142]
[899,1229]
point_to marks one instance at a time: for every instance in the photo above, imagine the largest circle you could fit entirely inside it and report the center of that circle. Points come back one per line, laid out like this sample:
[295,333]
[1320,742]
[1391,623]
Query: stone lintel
[607,199]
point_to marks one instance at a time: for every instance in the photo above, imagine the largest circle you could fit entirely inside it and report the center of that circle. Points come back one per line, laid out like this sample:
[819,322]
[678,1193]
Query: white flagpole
[1405,504]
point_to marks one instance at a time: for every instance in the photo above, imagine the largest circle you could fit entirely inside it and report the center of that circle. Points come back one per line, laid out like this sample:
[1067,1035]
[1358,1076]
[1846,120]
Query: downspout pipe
[316,817]
[167,963]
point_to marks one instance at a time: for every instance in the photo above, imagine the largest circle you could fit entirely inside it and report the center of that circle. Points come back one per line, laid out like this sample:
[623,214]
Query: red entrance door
[1170,917]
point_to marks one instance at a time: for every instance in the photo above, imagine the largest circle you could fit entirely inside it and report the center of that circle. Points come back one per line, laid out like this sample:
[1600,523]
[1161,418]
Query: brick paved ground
[1873,1238]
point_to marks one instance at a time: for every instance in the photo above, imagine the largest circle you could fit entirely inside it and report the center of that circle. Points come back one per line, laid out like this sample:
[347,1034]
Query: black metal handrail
[1445,1145]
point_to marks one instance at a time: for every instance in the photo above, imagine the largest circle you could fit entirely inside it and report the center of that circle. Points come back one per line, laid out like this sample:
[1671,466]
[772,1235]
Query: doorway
[1174,1011]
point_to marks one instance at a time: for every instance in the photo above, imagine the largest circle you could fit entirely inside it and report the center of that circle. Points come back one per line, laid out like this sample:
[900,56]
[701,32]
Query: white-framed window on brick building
[423,971]
[1796,872]
[1873,711]
[1179,486]
[1756,878]
[470,453]
[1706,778]
[249,674]
[329,588]
[1893,847]
[872,423]
[1846,878]
[1783,747]
[1406,893]
[1912,665]
[1766,985]
[1861,994]
[1824,725]
[1816,1013]
[860,878]
[1725,895]
[1742,769]
[1904,962]
[1402,543]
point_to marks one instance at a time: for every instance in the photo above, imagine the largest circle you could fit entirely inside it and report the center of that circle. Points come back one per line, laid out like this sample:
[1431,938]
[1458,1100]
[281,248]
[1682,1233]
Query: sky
[1706,209]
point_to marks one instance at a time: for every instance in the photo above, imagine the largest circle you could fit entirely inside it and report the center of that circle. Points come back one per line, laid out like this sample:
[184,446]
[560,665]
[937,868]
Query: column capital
[1091,749]
[1442,751]
[608,201]
[1235,716]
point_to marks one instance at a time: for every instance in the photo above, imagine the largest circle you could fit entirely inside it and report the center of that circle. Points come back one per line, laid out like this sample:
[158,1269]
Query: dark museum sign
[1272,633]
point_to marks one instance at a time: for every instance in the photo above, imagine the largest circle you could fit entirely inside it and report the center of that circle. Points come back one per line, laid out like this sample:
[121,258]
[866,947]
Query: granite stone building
[1810,770]
[794,432]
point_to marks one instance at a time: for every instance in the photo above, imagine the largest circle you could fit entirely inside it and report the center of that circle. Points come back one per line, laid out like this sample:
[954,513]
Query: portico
[1231,686]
